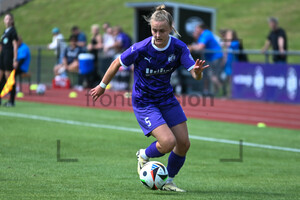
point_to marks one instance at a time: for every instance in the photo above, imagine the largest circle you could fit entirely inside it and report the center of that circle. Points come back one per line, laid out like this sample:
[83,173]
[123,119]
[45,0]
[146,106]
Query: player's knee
[167,144]
[184,146]
[187,145]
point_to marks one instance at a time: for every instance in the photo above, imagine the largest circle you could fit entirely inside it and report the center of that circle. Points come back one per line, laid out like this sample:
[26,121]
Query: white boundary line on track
[136,130]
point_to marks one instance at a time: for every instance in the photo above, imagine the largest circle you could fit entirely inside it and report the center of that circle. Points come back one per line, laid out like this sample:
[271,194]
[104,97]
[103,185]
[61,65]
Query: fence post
[39,57]
[267,57]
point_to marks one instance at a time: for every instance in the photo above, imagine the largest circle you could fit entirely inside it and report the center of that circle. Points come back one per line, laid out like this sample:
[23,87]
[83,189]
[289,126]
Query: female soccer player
[157,110]
[9,54]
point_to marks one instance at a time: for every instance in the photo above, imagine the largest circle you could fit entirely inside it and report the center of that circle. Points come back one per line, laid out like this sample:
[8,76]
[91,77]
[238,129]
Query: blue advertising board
[266,82]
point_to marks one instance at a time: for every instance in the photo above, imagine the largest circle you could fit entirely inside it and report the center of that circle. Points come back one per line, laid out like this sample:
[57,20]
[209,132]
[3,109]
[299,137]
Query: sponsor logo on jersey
[132,49]
[171,58]
[148,59]
[150,72]
[5,40]
[72,53]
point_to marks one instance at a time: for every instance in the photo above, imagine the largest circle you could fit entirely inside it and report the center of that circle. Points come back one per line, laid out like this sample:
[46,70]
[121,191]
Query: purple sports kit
[153,100]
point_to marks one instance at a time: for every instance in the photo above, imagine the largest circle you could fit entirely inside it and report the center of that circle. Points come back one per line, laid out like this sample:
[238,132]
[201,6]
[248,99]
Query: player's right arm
[108,76]
[266,46]
[126,59]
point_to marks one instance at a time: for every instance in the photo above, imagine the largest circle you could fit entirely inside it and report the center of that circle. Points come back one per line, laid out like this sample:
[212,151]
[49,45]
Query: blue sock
[152,151]
[175,163]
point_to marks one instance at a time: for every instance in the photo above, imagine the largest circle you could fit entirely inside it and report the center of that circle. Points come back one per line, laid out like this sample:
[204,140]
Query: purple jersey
[153,67]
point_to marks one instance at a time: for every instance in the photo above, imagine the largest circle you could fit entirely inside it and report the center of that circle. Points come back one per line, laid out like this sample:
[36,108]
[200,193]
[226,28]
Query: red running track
[238,111]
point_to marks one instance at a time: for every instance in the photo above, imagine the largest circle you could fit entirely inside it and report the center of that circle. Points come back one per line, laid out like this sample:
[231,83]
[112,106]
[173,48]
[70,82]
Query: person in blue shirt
[22,63]
[123,41]
[23,57]
[81,37]
[231,43]
[157,110]
[207,40]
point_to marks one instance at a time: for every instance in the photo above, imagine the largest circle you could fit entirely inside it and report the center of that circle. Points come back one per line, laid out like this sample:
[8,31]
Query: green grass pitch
[106,167]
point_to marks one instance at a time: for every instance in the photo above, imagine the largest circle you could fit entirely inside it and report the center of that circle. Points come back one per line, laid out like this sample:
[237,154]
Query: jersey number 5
[148,121]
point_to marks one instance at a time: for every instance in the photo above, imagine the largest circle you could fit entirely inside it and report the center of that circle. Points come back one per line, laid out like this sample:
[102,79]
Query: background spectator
[108,42]
[278,40]
[96,43]
[231,43]
[81,37]
[105,26]
[206,40]
[122,40]
[94,47]
[23,58]
[58,44]
[222,33]
[70,60]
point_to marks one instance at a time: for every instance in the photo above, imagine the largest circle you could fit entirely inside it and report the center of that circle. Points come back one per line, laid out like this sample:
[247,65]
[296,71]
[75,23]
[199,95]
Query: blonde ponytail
[161,7]
[160,14]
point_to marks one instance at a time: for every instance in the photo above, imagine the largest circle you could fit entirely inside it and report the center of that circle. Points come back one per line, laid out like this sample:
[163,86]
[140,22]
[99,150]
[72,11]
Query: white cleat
[170,186]
[141,161]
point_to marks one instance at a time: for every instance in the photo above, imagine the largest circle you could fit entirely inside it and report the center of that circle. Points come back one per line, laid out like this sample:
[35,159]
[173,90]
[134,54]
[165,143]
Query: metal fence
[43,61]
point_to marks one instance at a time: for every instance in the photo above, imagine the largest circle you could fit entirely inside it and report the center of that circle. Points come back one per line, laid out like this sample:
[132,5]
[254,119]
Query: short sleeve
[269,36]
[119,38]
[22,53]
[281,33]
[66,53]
[81,37]
[14,35]
[235,45]
[186,59]
[203,39]
[128,57]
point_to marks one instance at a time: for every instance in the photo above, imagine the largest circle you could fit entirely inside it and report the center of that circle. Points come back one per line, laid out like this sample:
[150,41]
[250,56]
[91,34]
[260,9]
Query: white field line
[136,130]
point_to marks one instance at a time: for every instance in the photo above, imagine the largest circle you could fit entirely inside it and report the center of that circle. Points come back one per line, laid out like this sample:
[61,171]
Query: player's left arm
[281,44]
[15,46]
[198,69]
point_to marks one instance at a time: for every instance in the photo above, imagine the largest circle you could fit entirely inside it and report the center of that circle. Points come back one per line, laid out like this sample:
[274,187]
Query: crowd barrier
[253,81]
[266,82]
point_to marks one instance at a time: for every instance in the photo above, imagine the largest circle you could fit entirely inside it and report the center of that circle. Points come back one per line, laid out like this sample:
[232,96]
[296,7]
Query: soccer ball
[154,175]
[41,88]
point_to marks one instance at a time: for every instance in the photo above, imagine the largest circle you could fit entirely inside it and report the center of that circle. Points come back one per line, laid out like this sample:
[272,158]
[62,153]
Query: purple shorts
[152,116]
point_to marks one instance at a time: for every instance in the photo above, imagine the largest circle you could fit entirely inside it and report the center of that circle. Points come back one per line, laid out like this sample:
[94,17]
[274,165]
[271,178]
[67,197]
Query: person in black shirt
[8,56]
[96,43]
[278,40]
[94,47]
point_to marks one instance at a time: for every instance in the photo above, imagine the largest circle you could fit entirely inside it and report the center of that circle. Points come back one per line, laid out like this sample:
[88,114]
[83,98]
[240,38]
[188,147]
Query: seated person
[70,61]
[23,57]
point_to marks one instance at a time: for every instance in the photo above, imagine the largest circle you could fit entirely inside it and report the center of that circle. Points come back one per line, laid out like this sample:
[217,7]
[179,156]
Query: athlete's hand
[199,66]
[15,64]
[96,92]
